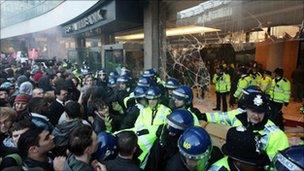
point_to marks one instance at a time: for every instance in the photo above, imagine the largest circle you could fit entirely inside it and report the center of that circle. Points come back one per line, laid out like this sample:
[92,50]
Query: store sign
[91,19]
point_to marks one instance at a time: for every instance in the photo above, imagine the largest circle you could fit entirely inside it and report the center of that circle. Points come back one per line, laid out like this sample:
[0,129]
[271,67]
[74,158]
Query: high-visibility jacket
[149,120]
[126,99]
[222,83]
[265,83]
[195,119]
[280,90]
[221,164]
[256,79]
[243,83]
[272,139]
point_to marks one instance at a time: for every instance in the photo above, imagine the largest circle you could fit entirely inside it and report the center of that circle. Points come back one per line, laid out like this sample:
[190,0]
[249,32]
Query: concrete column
[155,36]
[103,40]
[53,46]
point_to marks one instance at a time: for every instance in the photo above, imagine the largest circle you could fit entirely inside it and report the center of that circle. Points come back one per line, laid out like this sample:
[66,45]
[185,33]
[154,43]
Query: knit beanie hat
[22,98]
[26,88]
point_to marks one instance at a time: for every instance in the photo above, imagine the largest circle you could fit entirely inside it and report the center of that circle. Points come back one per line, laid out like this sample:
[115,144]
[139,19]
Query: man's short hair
[127,141]
[4,89]
[72,109]
[37,104]
[80,139]
[28,139]
[59,88]
[21,124]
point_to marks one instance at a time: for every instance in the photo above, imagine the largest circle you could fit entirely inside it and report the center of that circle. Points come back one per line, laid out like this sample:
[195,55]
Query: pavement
[293,119]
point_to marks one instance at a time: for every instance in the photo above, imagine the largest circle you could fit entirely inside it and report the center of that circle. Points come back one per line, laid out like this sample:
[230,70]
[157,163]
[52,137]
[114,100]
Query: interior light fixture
[172,32]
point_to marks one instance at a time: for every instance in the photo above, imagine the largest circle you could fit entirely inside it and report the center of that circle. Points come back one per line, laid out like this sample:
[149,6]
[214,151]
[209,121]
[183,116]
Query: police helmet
[179,120]
[111,82]
[290,159]
[113,74]
[195,143]
[149,73]
[153,93]
[171,83]
[123,79]
[139,92]
[107,146]
[144,82]
[183,93]
[254,99]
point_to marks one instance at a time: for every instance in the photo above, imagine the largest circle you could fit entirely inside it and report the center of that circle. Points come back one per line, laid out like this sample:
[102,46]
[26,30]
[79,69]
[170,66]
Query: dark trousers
[276,114]
[221,97]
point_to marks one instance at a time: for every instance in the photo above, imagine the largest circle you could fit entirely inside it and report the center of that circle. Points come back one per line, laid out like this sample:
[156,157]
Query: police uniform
[222,87]
[256,79]
[279,94]
[243,83]
[265,83]
[272,139]
[150,120]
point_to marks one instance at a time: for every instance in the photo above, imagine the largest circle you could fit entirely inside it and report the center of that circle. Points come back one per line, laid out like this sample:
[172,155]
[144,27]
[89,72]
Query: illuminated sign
[91,19]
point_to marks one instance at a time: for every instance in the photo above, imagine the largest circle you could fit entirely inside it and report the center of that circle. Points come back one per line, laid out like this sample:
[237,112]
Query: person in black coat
[127,147]
[57,107]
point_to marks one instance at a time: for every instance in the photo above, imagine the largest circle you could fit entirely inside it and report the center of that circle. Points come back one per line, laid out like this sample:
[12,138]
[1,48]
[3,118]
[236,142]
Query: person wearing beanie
[26,88]
[21,103]
[37,76]
[21,79]
[9,86]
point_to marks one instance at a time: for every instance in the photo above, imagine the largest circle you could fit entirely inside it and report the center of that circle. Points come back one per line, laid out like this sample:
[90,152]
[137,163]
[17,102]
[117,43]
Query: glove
[204,117]
[286,104]
[108,123]
[142,132]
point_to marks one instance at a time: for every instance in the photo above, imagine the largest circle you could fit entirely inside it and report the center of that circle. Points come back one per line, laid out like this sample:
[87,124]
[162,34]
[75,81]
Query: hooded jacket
[62,131]
[72,164]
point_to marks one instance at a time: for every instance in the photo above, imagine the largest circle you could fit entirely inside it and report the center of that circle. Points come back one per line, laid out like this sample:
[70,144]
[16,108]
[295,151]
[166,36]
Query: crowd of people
[61,117]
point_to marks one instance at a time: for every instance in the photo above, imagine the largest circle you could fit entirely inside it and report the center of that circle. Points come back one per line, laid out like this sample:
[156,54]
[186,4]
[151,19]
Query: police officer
[148,121]
[290,159]
[145,82]
[133,111]
[242,153]
[194,151]
[243,82]
[123,83]
[153,75]
[255,117]
[182,98]
[170,85]
[279,95]
[256,77]
[265,82]
[222,87]
[166,144]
